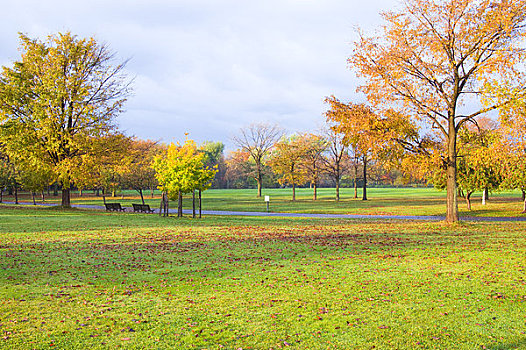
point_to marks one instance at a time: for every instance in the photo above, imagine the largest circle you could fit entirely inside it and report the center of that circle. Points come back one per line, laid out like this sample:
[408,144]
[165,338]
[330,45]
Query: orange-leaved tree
[287,159]
[314,147]
[435,58]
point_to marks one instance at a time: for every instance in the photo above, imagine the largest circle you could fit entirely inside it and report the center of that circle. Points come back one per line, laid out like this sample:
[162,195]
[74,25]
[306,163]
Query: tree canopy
[62,95]
[435,56]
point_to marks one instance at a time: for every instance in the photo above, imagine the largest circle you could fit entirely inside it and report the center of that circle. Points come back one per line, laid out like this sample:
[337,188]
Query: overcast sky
[210,67]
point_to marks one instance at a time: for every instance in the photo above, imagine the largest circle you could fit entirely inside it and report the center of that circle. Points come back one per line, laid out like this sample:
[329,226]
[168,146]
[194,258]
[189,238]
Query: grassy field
[381,201]
[79,279]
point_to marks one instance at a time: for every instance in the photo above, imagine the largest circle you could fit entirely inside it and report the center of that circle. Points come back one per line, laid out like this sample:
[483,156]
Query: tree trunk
[523,195]
[293,192]
[80,192]
[1,195]
[103,196]
[33,196]
[142,197]
[355,183]
[113,193]
[166,206]
[16,194]
[315,187]
[161,205]
[337,190]
[66,197]
[199,204]
[193,204]
[451,198]
[524,207]
[55,190]
[43,196]
[485,196]
[97,192]
[468,199]
[258,180]
[180,205]
[364,194]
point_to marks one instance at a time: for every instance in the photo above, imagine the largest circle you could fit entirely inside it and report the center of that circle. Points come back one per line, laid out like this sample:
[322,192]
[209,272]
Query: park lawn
[381,201]
[85,279]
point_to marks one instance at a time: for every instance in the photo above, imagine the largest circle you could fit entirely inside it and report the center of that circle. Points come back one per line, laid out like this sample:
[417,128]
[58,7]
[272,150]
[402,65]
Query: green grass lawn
[79,279]
[381,201]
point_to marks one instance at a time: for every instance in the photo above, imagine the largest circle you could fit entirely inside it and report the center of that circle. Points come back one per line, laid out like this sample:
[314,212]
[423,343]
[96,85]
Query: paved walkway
[304,215]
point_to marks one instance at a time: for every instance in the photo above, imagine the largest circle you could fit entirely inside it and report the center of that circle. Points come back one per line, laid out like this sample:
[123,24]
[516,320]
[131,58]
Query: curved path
[304,215]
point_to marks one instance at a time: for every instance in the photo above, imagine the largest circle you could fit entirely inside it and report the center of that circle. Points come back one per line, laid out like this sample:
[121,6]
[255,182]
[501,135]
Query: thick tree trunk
[259,180]
[337,190]
[315,187]
[103,196]
[66,198]
[33,197]
[43,196]
[452,199]
[524,207]
[80,192]
[55,190]
[293,192]
[523,197]
[364,194]
[259,187]
[16,194]
[485,196]
[1,195]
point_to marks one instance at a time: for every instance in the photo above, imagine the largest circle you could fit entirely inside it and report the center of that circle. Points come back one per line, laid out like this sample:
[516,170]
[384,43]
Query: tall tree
[62,95]
[314,146]
[335,159]
[434,56]
[258,140]
[358,123]
[287,160]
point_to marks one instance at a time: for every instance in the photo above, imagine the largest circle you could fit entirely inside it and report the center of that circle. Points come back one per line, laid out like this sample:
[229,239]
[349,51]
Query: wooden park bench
[114,207]
[142,208]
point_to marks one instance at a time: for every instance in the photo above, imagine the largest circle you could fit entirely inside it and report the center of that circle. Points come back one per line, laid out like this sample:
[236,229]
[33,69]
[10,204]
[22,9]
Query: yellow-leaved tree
[55,102]
[180,170]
